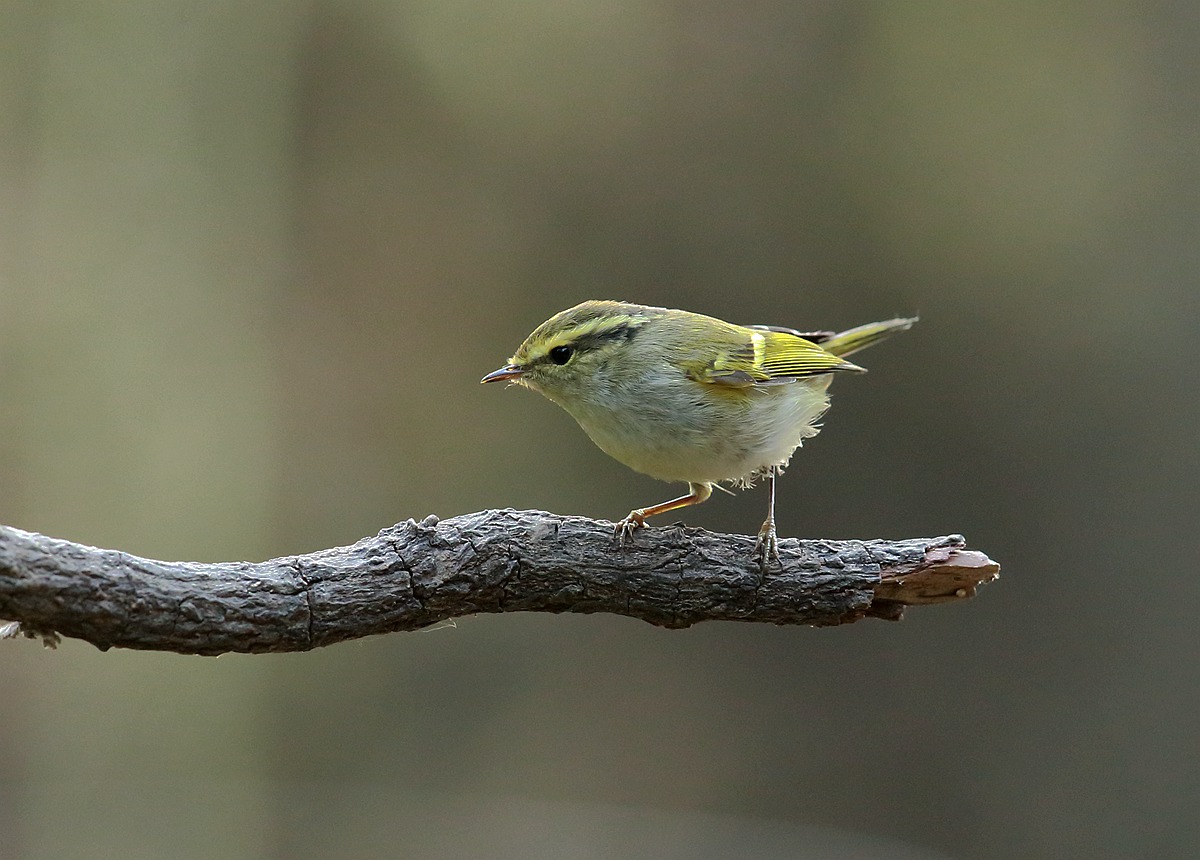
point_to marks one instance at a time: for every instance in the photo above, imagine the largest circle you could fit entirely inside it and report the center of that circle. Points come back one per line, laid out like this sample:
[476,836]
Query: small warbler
[685,397]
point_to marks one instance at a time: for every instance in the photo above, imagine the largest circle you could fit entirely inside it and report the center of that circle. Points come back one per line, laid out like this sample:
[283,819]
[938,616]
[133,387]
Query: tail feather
[851,341]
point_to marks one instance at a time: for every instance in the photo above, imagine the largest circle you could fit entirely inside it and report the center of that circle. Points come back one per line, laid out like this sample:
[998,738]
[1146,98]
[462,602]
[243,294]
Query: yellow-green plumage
[685,397]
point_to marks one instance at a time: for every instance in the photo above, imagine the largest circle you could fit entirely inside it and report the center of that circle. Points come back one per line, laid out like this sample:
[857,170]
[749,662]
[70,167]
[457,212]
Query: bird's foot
[623,531]
[766,548]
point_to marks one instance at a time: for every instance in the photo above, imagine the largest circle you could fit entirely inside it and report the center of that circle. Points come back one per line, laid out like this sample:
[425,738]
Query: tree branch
[414,574]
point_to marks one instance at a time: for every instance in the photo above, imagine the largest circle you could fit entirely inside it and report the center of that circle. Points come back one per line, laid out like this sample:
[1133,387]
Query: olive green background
[254,259]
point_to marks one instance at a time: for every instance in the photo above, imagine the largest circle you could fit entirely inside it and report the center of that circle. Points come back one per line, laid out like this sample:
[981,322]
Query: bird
[685,397]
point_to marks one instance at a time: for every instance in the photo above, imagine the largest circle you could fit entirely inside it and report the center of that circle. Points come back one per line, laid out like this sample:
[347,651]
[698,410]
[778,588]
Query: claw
[766,548]
[623,531]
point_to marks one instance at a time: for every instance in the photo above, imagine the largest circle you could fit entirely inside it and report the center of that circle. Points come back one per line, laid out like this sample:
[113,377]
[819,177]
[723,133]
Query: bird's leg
[766,547]
[637,518]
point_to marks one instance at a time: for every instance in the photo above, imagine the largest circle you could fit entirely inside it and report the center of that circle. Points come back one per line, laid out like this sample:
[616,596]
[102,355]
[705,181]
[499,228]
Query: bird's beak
[508,372]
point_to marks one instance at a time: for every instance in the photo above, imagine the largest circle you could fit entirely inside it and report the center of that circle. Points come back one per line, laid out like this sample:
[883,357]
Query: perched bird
[685,397]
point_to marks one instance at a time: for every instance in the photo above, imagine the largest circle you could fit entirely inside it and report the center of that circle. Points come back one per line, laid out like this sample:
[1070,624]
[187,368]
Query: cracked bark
[412,575]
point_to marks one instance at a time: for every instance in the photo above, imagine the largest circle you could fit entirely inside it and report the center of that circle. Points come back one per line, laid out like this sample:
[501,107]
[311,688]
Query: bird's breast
[689,432]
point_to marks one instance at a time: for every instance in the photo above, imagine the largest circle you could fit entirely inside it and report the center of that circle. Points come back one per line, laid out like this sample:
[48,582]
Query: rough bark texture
[416,574]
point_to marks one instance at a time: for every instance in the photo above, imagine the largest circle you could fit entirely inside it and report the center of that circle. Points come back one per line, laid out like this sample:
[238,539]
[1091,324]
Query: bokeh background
[254,259]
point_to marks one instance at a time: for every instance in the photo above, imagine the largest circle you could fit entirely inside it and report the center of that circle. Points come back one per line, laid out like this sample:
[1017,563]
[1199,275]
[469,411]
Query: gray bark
[412,575]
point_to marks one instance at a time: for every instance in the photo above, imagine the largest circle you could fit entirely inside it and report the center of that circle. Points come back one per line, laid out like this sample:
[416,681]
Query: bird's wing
[814,336]
[767,357]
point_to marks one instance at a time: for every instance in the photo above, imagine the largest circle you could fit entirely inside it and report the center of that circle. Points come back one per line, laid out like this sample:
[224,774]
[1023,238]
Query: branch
[412,575]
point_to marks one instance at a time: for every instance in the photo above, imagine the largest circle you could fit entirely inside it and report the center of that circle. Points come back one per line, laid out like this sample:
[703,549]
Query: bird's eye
[561,354]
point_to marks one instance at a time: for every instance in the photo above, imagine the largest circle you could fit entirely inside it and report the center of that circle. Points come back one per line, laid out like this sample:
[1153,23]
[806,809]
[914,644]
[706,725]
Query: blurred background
[254,259]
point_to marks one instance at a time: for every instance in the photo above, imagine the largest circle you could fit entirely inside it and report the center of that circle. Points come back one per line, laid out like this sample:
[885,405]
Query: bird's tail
[852,340]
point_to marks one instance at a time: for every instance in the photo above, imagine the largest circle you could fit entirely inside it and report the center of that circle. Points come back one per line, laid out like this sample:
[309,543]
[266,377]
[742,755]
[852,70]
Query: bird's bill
[508,372]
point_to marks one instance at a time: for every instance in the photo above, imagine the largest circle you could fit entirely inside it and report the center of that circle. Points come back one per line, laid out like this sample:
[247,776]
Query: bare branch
[414,574]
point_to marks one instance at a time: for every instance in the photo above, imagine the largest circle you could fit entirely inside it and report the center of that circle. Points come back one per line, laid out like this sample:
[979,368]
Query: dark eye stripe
[563,353]
[596,339]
